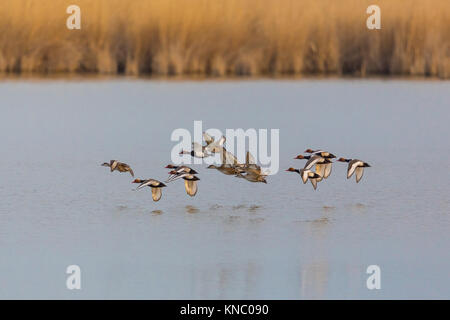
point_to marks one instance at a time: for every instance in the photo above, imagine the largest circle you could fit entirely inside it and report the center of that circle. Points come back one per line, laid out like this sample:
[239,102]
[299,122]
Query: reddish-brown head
[137,181]
[300,156]
[291,169]
[342,160]
[309,150]
[172,172]
[169,166]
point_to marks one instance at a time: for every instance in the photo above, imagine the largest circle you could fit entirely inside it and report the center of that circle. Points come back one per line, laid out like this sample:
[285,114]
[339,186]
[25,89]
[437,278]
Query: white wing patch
[352,165]
[312,161]
[304,175]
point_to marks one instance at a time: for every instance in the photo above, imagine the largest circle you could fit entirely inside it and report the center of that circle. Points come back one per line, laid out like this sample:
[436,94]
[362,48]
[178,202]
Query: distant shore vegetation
[223,38]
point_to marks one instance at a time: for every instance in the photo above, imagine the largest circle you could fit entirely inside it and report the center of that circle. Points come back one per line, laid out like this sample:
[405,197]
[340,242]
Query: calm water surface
[235,239]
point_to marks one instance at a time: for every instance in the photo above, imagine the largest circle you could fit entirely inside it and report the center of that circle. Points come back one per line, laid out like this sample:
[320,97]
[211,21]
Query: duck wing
[113,165]
[314,183]
[312,161]
[228,158]
[176,176]
[215,146]
[327,172]
[320,170]
[352,165]
[304,175]
[249,159]
[359,173]
[191,187]
[143,184]
[208,139]
[156,194]
[253,169]
[150,183]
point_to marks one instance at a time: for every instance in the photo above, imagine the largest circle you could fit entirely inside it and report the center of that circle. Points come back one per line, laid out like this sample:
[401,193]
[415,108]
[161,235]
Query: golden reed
[226,37]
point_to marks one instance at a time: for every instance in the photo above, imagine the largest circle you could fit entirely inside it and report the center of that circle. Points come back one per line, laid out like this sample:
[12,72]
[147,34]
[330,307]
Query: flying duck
[355,165]
[119,166]
[152,183]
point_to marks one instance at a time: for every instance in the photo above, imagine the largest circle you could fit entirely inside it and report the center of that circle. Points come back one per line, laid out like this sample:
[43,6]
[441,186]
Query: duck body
[322,153]
[252,177]
[355,166]
[225,169]
[178,171]
[198,151]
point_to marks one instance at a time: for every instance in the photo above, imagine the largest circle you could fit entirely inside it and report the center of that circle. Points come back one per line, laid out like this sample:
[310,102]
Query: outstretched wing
[208,139]
[216,146]
[304,175]
[314,183]
[249,159]
[191,187]
[228,158]
[320,169]
[352,165]
[156,194]
[327,172]
[359,173]
[312,161]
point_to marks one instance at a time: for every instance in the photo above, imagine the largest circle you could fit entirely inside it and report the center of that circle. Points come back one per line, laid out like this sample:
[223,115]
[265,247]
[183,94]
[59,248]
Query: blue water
[234,239]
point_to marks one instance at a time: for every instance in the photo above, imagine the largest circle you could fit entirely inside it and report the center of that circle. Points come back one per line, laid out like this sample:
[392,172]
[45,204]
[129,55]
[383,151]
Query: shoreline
[76,77]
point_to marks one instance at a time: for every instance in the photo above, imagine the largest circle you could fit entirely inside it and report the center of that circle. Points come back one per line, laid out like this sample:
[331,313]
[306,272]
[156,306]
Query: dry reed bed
[226,37]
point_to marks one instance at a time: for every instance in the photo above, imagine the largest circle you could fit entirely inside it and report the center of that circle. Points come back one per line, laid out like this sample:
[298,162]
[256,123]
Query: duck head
[300,156]
[292,170]
[343,160]
[171,166]
[105,164]
[137,181]
[309,150]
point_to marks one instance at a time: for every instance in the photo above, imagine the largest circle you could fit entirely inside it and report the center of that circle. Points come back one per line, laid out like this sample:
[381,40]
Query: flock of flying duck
[320,160]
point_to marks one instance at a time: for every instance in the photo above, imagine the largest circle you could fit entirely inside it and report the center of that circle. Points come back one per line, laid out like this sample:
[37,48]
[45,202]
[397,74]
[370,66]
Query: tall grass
[226,37]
